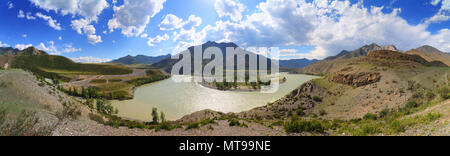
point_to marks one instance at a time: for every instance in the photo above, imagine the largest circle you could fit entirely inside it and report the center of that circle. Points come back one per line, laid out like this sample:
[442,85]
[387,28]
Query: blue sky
[100,30]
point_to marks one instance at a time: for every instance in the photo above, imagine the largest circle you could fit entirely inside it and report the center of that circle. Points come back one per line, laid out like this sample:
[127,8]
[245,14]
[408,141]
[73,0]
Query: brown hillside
[432,56]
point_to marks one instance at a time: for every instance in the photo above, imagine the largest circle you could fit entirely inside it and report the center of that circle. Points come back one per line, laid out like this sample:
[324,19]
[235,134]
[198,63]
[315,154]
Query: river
[179,99]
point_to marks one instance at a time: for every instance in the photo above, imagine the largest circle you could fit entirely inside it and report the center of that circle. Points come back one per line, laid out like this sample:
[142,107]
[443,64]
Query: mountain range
[166,64]
[140,59]
[432,55]
[27,51]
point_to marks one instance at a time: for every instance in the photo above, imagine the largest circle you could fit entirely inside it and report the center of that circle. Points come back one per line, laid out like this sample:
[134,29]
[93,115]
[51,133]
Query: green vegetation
[235,122]
[155,117]
[59,67]
[25,123]
[104,106]
[299,126]
[387,122]
[70,111]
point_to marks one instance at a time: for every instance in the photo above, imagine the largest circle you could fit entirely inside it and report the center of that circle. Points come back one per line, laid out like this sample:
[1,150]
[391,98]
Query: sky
[102,30]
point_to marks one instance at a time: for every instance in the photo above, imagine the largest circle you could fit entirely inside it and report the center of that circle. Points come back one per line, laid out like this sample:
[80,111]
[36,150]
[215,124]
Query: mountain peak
[428,49]
[33,51]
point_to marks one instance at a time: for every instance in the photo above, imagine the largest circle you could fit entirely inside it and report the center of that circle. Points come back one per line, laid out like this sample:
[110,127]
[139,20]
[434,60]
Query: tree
[163,117]
[155,115]
[83,92]
[75,91]
[105,107]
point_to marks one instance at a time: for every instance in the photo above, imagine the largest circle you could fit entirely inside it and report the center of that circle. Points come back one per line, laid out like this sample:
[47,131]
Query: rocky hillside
[330,64]
[363,51]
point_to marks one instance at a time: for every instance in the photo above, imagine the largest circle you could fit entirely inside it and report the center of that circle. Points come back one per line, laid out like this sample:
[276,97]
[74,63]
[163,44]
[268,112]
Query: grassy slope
[63,68]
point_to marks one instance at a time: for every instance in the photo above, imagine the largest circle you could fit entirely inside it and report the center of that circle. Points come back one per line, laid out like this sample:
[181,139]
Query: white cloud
[440,40]
[23,46]
[192,22]
[51,22]
[157,39]
[90,59]
[68,48]
[172,22]
[10,5]
[232,8]
[330,26]
[24,35]
[27,16]
[60,38]
[133,16]
[443,14]
[3,44]
[51,49]
[144,35]
[83,26]
[21,14]
[288,51]
[89,9]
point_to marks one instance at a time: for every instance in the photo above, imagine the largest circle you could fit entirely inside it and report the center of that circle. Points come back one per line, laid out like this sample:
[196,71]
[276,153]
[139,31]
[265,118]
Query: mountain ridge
[140,59]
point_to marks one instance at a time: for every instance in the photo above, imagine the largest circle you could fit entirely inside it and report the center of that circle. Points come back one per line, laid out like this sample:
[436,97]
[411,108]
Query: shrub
[193,126]
[70,111]
[304,126]
[317,99]
[25,124]
[105,107]
[397,127]
[412,104]
[369,129]
[300,111]
[411,85]
[384,113]
[322,112]
[430,95]
[370,116]
[444,92]
[235,122]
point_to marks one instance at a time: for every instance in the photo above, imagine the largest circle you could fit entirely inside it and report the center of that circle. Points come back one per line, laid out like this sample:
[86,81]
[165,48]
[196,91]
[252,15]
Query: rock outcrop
[358,79]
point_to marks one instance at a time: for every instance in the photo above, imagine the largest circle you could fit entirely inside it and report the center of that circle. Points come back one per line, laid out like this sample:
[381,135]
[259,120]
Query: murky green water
[179,99]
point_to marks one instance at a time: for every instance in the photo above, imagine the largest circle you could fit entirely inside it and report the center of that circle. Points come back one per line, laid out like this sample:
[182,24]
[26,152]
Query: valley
[375,90]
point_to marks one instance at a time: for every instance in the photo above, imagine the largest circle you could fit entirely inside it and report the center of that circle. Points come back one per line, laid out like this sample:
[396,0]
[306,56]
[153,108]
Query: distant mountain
[8,51]
[296,63]
[363,51]
[331,64]
[140,59]
[167,64]
[431,54]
